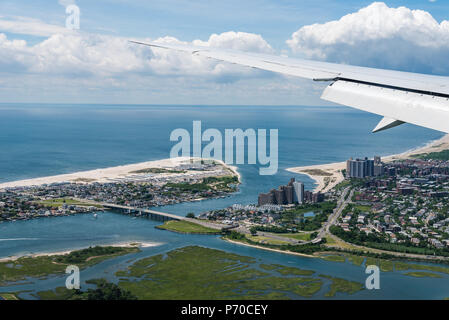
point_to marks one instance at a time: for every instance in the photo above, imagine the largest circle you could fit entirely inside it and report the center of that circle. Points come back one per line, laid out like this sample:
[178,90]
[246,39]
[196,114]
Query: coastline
[270,249]
[105,175]
[327,176]
[128,244]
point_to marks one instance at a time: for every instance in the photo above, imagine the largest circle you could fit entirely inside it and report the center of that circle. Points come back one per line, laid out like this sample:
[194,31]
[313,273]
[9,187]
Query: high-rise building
[378,170]
[293,192]
[279,196]
[369,168]
[298,194]
[356,168]
[377,160]
[364,168]
[266,198]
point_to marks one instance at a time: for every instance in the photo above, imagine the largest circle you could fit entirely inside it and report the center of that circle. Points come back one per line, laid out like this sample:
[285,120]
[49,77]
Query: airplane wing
[400,97]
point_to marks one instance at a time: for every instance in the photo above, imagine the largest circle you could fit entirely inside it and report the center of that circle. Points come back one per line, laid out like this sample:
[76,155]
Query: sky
[42,61]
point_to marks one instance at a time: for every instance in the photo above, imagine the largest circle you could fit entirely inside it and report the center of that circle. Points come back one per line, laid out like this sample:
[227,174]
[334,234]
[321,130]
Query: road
[333,218]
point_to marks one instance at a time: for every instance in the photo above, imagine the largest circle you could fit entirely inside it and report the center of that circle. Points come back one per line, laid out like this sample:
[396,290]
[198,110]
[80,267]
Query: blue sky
[188,20]
[38,70]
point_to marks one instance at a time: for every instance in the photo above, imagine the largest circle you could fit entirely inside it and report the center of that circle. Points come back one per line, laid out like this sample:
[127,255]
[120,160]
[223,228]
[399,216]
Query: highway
[333,218]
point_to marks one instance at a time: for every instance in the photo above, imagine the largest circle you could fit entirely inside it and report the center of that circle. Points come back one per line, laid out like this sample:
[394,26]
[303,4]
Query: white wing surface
[398,96]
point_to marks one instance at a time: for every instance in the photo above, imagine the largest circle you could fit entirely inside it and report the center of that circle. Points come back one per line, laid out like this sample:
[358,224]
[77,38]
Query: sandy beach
[109,174]
[329,175]
[129,244]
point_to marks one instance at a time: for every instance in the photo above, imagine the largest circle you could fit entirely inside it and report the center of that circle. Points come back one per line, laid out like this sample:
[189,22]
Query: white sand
[334,169]
[129,244]
[107,174]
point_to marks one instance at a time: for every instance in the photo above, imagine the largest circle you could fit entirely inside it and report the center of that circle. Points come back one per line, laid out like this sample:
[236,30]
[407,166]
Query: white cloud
[241,41]
[77,53]
[29,26]
[379,36]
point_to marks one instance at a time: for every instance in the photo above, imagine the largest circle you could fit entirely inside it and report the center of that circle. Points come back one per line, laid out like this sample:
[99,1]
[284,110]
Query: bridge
[157,215]
[154,215]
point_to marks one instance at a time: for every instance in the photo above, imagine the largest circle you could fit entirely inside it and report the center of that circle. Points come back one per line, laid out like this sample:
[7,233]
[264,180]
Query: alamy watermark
[73,280]
[373,280]
[234,143]
[72,21]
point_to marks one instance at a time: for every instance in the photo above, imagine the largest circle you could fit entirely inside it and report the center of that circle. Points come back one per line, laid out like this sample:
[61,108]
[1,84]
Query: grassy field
[330,241]
[262,239]
[297,236]
[187,227]
[56,203]
[442,155]
[20,269]
[334,258]
[222,275]
[363,208]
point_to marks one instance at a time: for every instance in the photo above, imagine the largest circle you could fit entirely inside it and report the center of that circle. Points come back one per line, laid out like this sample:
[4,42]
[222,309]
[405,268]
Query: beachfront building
[359,168]
[298,195]
[292,193]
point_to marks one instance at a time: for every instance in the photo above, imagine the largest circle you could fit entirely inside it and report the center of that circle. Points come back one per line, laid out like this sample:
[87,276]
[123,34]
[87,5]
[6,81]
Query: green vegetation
[56,203]
[372,240]
[104,291]
[287,271]
[342,184]
[89,254]
[386,265]
[356,260]
[302,248]
[401,266]
[8,296]
[262,239]
[361,208]
[272,229]
[334,258]
[60,293]
[297,236]
[442,155]
[317,172]
[342,285]
[420,274]
[158,170]
[187,227]
[294,218]
[209,184]
[20,269]
[175,275]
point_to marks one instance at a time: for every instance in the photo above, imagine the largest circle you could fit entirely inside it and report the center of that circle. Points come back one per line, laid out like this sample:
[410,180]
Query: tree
[190,215]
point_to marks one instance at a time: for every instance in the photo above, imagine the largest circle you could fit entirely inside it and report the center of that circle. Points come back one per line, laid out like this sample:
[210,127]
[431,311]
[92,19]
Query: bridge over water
[161,216]
[152,214]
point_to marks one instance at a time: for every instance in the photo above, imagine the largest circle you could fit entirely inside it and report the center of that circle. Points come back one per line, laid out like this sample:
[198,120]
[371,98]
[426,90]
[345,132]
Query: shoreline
[270,249]
[327,176]
[109,174]
[128,244]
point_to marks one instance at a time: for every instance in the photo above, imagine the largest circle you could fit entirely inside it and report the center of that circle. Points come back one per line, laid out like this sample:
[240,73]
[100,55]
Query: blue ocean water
[40,140]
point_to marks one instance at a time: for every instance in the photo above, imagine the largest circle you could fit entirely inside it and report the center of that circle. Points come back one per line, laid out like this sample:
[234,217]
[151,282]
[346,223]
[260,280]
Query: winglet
[387,123]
